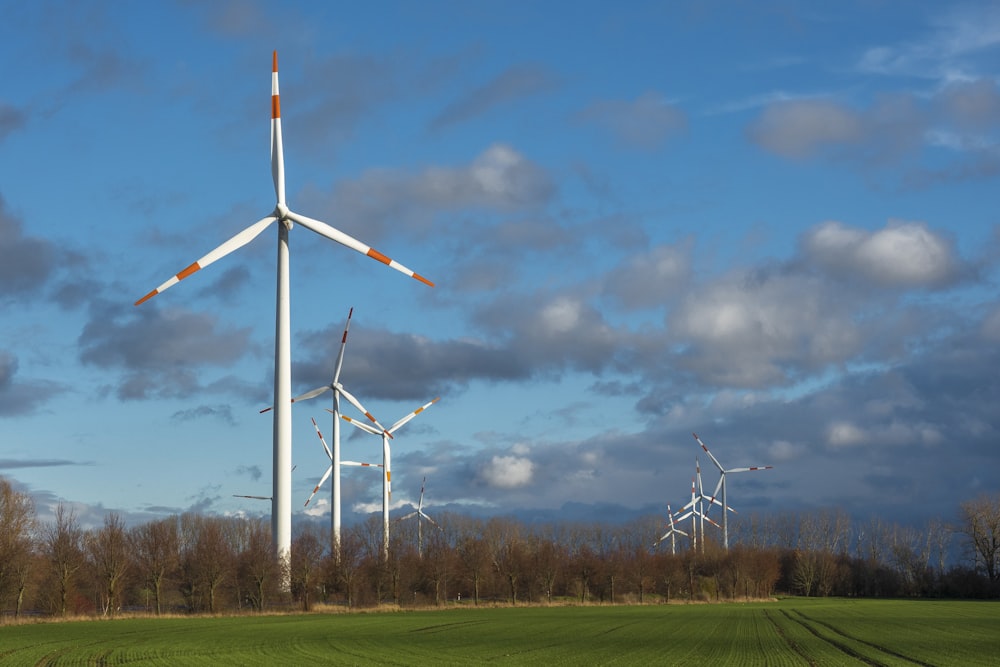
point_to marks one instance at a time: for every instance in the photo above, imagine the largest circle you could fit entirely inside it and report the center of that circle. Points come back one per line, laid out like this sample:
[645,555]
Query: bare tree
[473,555]
[981,525]
[506,549]
[63,546]
[17,527]
[257,569]
[306,565]
[107,552]
[156,553]
[206,560]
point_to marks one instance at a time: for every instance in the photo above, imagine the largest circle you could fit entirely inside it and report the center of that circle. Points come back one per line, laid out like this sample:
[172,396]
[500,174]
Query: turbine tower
[722,483]
[281,505]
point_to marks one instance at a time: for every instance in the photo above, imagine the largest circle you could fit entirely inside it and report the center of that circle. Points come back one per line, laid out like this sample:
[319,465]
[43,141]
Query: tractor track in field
[792,644]
[843,648]
[873,645]
[440,627]
[810,624]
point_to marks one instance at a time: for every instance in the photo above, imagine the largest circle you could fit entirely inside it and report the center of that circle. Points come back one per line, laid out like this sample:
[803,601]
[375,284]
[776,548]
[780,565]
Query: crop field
[785,632]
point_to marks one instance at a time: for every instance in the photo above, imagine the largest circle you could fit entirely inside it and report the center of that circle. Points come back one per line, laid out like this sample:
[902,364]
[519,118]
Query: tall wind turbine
[420,514]
[722,484]
[338,389]
[339,463]
[281,505]
[386,434]
[672,531]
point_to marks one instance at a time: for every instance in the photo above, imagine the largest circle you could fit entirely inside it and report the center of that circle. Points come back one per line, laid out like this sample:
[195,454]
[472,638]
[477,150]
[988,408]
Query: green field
[786,632]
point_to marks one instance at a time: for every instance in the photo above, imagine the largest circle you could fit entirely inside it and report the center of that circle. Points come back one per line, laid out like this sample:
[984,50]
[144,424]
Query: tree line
[192,563]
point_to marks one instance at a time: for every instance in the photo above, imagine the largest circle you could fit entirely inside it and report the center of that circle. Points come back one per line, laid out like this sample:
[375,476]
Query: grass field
[786,632]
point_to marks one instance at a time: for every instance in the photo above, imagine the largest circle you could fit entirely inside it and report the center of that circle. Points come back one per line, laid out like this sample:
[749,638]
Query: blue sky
[773,224]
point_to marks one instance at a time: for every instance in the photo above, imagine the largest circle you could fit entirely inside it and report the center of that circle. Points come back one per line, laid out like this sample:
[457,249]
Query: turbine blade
[325,447]
[340,237]
[312,393]
[325,476]
[277,151]
[360,464]
[714,460]
[431,520]
[392,429]
[356,403]
[343,344]
[303,397]
[363,426]
[238,241]
[751,469]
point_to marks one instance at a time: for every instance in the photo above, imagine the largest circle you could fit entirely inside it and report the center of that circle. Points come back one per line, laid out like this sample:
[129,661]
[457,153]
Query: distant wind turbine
[672,531]
[386,434]
[722,484]
[281,510]
[694,511]
[420,514]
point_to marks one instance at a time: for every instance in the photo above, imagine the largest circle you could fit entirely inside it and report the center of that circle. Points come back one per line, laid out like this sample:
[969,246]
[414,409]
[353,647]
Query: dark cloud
[12,119]
[222,412]
[645,123]
[514,83]
[26,262]
[159,350]
[960,118]
[22,396]
[15,464]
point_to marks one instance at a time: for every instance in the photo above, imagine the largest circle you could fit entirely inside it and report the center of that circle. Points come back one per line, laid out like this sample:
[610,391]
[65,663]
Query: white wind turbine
[722,484]
[329,470]
[338,389]
[420,514]
[694,511]
[281,509]
[672,531]
[386,434]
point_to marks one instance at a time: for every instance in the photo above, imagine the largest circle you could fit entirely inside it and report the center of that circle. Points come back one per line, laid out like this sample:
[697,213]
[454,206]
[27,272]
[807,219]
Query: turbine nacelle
[281,213]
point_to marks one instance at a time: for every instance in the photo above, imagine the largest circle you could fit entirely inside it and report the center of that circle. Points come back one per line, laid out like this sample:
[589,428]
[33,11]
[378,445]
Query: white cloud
[507,472]
[844,434]
[903,254]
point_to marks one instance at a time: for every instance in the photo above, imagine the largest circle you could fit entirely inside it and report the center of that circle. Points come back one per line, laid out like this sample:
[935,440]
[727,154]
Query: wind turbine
[281,509]
[671,532]
[332,464]
[338,390]
[722,484]
[386,434]
[694,511]
[419,514]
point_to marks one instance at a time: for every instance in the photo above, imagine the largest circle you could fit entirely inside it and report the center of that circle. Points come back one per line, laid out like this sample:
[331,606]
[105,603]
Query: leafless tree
[63,547]
[981,526]
[306,565]
[506,550]
[17,528]
[258,571]
[206,560]
[156,554]
[107,552]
